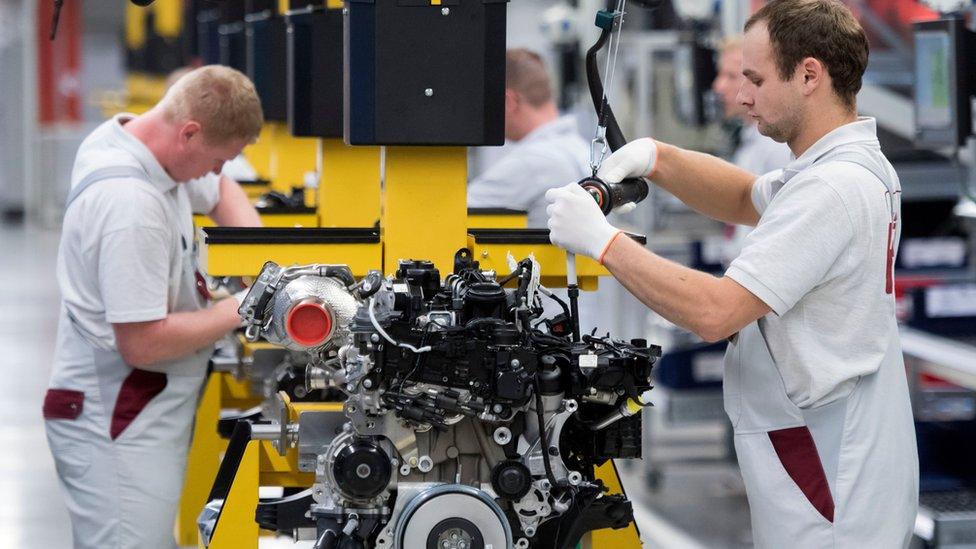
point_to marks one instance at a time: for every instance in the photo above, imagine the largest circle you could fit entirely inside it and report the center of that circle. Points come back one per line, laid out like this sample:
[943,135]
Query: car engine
[468,420]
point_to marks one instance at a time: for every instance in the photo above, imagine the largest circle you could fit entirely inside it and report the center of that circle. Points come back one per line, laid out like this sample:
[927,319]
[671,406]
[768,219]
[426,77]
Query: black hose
[543,437]
[615,137]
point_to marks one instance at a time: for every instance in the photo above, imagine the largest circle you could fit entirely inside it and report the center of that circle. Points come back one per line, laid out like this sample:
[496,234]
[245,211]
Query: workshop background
[686,490]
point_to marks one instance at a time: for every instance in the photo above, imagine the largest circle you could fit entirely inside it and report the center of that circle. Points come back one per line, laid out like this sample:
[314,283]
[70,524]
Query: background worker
[752,151]
[546,149]
[135,334]
[815,383]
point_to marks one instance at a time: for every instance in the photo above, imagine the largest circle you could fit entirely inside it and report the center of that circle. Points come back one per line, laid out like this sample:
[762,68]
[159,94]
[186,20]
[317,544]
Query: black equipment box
[231,35]
[421,74]
[208,37]
[314,69]
[266,54]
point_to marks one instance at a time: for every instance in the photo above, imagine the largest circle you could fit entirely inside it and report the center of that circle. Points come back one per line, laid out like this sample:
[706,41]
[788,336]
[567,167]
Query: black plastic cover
[417,74]
[314,72]
[266,56]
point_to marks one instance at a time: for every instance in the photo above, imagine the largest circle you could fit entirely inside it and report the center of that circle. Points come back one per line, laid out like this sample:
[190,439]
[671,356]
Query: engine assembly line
[486,274]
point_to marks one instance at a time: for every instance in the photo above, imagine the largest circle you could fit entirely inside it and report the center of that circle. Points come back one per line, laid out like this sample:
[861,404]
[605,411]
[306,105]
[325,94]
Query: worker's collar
[157,175]
[562,124]
[863,130]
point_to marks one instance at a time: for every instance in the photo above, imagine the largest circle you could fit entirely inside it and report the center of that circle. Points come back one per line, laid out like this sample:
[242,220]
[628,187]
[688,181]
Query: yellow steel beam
[143,91]
[624,538]
[247,259]
[270,220]
[497,220]
[237,528]
[291,158]
[135,26]
[202,462]
[424,213]
[258,154]
[169,18]
[349,188]
[552,261]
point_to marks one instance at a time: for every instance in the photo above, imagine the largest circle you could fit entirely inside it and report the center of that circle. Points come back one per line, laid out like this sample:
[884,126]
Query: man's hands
[635,159]
[576,222]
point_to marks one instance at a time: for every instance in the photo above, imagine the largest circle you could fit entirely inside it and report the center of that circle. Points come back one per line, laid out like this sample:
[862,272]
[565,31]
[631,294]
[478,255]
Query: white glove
[576,222]
[239,297]
[635,159]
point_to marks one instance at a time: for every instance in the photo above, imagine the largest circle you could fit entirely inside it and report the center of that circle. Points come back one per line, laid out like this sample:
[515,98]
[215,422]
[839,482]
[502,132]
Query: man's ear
[189,131]
[812,74]
[511,100]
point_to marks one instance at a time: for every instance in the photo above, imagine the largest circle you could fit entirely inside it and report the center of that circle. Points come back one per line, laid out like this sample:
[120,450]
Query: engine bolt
[497,408]
[368,383]
[363,470]
[429,92]
[515,363]
[445,11]
[375,338]
[553,451]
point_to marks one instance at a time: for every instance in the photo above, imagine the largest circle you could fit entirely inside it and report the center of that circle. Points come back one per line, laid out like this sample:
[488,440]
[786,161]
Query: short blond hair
[222,100]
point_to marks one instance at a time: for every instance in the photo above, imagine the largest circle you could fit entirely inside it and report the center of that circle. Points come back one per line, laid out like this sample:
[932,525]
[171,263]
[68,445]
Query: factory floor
[692,500]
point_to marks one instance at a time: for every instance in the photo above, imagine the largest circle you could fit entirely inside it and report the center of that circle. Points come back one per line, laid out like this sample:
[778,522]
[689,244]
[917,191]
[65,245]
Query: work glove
[239,297]
[635,159]
[576,222]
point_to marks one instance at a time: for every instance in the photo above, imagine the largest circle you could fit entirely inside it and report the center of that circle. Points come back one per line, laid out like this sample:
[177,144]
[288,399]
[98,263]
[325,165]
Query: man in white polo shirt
[814,379]
[135,332]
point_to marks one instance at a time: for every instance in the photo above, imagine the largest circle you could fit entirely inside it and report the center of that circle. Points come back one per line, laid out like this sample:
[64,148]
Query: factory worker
[752,151]
[815,384]
[135,331]
[545,149]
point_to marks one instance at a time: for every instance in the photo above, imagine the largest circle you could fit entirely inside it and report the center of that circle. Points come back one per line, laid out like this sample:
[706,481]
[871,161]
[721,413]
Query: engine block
[469,420]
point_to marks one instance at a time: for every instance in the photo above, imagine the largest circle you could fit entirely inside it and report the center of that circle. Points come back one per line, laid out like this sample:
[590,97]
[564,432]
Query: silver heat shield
[327,292]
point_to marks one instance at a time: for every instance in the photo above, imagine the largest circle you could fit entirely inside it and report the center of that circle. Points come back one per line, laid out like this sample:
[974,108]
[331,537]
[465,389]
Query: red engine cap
[308,324]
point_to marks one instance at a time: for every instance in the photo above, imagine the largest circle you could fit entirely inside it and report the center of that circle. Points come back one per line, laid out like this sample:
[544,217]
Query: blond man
[135,333]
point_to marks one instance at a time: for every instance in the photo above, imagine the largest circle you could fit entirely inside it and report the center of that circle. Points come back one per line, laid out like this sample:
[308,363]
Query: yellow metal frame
[222,391]
[349,188]
[258,154]
[309,220]
[247,259]
[261,465]
[623,538]
[498,221]
[143,91]
[424,205]
[291,158]
[552,261]
[168,21]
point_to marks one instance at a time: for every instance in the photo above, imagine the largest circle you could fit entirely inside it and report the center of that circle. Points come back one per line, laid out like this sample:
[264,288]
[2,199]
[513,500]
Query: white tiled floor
[688,498]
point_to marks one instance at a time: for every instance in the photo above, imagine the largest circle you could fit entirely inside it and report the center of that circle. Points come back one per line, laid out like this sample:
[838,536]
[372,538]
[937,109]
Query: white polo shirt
[124,242]
[550,156]
[818,258]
